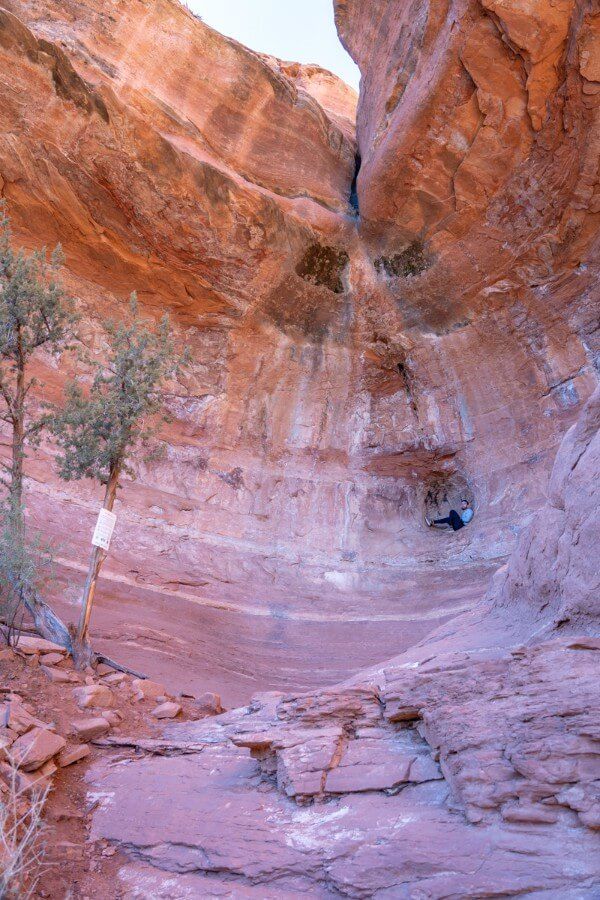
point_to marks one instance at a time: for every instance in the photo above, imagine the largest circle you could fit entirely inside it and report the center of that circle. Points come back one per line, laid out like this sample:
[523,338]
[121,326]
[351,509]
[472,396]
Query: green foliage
[34,309]
[25,566]
[98,428]
[35,313]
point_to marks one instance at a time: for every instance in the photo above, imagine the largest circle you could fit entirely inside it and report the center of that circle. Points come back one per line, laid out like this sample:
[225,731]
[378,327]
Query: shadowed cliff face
[351,371]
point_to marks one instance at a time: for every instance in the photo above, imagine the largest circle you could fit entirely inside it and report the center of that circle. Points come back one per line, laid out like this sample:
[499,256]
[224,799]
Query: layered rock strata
[379,325]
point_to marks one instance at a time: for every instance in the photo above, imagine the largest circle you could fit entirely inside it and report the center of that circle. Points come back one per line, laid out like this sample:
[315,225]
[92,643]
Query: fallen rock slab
[7,739]
[33,749]
[112,717]
[208,704]
[30,645]
[13,715]
[48,770]
[115,678]
[71,755]
[88,729]
[58,676]
[27,784]
[51,659]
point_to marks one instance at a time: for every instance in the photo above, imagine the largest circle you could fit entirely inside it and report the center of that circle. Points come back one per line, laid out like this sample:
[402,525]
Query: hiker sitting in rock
[454,519]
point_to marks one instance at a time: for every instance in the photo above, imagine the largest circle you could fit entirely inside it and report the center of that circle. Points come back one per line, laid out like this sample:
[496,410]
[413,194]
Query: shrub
[21,836]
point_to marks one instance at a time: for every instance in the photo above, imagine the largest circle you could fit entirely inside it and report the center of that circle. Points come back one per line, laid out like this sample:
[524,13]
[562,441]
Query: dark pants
[452,519]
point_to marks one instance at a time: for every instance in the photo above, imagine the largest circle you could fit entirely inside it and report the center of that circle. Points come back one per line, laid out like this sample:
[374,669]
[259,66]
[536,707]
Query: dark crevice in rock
[407,384]
[354,187]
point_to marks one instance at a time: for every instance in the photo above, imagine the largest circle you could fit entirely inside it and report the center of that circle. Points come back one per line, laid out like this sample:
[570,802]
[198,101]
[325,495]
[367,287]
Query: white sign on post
[104,529]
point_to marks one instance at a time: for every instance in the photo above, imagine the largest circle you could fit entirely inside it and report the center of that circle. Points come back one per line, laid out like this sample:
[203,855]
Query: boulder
[59,676]
[51,659]
[31,645]
[7,739]
[88,729]
[93,695]
[168,710]
[207,704]
[112,716]
[27,784]
[47,770]
[115,678]
[150,690]
[15,716]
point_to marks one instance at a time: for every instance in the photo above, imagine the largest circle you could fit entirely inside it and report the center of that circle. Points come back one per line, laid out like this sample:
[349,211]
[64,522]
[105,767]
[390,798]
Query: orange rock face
[353,368]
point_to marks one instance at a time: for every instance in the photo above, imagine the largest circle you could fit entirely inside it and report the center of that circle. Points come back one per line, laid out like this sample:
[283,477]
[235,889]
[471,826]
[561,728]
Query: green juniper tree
[98,428]
[35,314]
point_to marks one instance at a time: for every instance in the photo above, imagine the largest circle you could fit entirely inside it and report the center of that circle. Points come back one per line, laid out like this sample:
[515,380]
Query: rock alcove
[445,492]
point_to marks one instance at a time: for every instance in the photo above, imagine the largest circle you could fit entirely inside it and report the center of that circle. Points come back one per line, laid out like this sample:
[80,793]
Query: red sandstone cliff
[354,368]
[352,371]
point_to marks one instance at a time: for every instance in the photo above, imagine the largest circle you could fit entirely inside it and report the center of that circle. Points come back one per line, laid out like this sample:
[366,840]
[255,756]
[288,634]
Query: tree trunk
[18,441]
[82,651]
[47,624]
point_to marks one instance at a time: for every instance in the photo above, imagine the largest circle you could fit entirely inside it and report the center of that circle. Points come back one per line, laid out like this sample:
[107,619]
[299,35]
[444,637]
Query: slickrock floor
[188,644]
[469,773]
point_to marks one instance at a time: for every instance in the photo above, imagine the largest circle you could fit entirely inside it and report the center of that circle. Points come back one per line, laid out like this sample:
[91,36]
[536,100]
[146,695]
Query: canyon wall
[380,323]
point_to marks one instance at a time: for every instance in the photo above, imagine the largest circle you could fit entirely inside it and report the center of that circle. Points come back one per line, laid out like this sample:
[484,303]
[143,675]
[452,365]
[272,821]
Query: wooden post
[98,557]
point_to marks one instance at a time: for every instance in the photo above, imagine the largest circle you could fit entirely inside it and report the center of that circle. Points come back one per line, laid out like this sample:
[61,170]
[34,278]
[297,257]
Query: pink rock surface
[354,369]
[466,767]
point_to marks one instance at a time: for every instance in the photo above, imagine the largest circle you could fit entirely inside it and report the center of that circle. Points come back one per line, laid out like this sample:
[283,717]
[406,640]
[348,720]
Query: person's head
[464,504]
